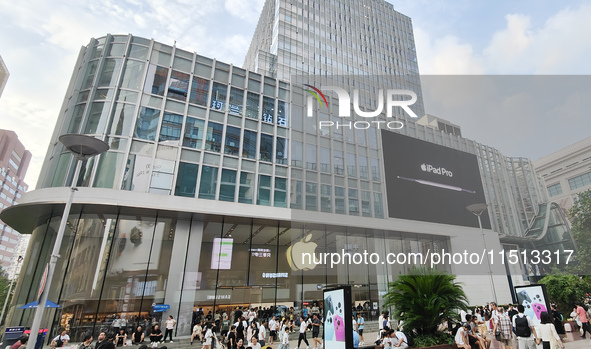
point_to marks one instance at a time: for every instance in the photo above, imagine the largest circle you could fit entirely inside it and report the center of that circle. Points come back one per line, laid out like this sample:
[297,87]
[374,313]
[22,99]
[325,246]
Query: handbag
[498,335]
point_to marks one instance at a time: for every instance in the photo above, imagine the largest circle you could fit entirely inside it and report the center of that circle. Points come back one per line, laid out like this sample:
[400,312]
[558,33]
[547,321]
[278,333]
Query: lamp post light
[82,147]
[477,210]
[18,261]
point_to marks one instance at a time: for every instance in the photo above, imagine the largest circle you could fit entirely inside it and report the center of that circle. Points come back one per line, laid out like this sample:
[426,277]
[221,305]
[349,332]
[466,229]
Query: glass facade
[186,128]
[121,264]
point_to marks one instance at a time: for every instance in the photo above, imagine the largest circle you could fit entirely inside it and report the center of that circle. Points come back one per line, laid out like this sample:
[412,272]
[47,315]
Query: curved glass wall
[121,264]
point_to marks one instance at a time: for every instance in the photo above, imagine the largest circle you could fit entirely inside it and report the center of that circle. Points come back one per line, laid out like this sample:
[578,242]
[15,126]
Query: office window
[235,103]
[227,185]
[580,181]
[280,199]
[311,196]
[266,148]
[171,127]
[363,169]
[213,138]
[179,86]
[339,162]
[249,144]
[147,124]
[281,151]
[208,183]
[186,180]
[554,190]
[297,154]
[325,198]
[252,105]
[199,90]
[339,200]
[353,202]
[246,188]
[218,96]
[365,203]
[311,157]
[375,170]
[325,159]
[264,195]
[377,205]
[193,136]
[232,145]
[282,113]
[156,80]
[351,165]
[268,109]
[296,194]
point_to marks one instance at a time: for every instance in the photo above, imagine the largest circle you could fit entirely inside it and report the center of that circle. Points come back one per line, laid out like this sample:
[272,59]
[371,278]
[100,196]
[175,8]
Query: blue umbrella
[35,304]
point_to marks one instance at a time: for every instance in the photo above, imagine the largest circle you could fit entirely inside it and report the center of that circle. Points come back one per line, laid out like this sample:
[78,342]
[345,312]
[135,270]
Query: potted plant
[423,300]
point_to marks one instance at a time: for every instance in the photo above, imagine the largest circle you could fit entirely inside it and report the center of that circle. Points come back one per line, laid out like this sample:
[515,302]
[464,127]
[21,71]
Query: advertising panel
[431,183]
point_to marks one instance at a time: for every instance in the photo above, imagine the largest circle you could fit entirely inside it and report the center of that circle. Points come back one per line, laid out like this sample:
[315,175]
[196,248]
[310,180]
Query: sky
[40,41]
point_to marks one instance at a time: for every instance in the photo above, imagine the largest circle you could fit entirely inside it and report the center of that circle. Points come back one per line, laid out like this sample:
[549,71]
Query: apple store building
[217,182]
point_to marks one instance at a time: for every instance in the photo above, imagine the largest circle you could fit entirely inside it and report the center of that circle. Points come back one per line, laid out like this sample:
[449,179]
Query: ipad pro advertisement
[431,183]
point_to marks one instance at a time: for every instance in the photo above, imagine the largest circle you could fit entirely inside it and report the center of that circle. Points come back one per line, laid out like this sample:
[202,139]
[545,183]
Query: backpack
[522,327]
[409,339]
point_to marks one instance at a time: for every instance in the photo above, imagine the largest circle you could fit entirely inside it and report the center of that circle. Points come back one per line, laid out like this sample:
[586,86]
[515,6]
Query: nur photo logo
[387,99]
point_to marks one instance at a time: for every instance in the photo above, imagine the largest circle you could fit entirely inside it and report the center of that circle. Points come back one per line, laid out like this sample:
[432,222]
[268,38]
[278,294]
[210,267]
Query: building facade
[14,162]
[4,74]
[219,178]
[566,172]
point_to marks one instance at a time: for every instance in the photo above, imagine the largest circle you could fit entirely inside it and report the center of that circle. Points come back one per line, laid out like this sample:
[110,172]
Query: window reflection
[156,80]
[147,124]
[193,133]
[179,85]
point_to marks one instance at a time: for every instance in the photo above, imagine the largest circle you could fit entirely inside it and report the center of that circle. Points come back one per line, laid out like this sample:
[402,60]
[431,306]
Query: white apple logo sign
[423,167]
[296,252]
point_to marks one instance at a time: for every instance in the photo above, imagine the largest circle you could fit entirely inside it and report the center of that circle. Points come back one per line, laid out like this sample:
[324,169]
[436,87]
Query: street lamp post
[477,210]
[82,147]
[18,261]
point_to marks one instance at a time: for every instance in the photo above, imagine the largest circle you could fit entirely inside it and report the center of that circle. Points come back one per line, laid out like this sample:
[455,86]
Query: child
[284,335]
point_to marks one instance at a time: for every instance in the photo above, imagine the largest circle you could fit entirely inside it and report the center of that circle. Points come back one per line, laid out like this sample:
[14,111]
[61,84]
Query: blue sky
[41,39]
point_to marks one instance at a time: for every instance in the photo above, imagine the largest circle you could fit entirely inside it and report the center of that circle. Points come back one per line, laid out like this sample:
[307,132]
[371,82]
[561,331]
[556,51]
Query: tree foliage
[565,290]
[425,299]
[580,215]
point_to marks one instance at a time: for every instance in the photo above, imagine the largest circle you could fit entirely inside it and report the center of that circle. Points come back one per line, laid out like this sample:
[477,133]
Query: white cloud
[559,46]
[248,10]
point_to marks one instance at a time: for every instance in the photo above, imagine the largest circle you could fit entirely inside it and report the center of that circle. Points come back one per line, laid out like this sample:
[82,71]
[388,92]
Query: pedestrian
[548,334]
[262,333]
[284,338]
[272,330]
[503,327]
[170,323]
[557,319]
[583,318]
[360,325]
[303,328]
[461,337]
[197,332]
[524,329]
[208,337]
[316,331]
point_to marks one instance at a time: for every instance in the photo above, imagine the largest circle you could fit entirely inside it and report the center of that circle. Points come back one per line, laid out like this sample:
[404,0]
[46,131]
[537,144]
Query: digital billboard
[431,183]
[338,323]
[534,301]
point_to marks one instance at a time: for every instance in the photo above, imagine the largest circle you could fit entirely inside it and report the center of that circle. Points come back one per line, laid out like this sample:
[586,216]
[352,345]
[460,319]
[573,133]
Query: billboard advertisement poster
[338,323]
[534,300]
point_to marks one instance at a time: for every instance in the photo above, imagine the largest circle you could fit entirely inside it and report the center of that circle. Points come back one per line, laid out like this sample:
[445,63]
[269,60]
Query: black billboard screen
[431,183]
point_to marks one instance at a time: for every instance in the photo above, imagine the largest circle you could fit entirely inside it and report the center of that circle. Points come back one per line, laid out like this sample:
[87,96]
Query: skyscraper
[14,162]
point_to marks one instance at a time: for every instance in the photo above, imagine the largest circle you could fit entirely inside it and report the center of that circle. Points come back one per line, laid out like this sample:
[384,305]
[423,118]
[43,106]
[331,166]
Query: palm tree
[424,299]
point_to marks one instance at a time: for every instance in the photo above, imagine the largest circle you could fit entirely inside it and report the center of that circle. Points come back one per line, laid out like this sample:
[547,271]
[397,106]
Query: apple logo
[424,167]
[296,251]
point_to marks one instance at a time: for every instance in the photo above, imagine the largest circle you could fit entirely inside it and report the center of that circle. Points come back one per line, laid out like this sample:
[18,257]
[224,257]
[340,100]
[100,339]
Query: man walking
[524,329]
[584,320]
